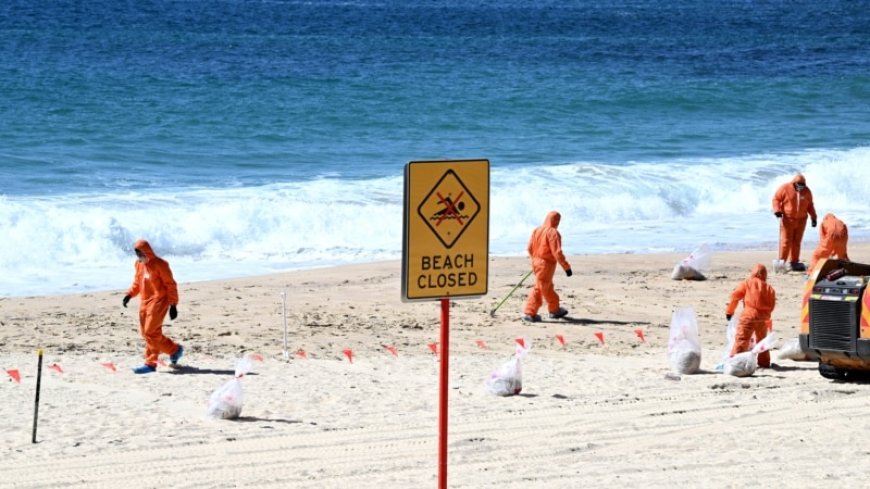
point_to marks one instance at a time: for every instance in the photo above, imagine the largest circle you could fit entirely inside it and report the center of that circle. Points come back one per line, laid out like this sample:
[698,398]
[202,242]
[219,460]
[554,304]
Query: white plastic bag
[779,266]
[744,364]
[693,266]
[508,379]
[226,402]
[684,345]
[791,350]
[730,334]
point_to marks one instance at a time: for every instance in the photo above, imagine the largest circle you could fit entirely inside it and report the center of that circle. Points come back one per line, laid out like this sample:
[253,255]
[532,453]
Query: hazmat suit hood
[760,271]
[145,248]
[552,220]
[799,178]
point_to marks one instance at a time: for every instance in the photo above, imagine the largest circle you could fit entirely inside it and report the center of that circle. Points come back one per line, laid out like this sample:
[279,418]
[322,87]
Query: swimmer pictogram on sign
[449,209]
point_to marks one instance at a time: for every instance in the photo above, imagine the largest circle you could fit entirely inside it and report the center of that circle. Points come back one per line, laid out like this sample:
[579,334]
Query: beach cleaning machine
[835,318]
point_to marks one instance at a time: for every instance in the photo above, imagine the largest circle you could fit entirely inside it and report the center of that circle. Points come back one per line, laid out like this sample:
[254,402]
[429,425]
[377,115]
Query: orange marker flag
[481,344]
[560,339]
[392,349]
[600,336]
[161,362]
[110,366]
[16,376]
[56,368]
[521,342]
[302,354]
[434,348]
[349,354]
[256,357]
[639,333]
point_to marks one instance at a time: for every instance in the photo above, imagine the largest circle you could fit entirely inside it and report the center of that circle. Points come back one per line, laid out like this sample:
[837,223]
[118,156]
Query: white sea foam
[70,243]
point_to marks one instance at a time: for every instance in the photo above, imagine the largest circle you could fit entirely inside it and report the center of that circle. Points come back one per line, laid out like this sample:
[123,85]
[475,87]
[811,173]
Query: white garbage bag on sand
[744,364]
[684,344]
[791,350]
[508,379]
[694,266]
[226,402]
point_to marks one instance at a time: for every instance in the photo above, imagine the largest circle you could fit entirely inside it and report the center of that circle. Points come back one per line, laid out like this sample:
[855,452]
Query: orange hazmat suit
[156,288]
[759,299]
[833,237]
[793,206]
[545,250]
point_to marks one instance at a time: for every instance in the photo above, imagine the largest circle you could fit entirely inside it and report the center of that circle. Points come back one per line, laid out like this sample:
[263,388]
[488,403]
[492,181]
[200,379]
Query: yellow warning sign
[446,229]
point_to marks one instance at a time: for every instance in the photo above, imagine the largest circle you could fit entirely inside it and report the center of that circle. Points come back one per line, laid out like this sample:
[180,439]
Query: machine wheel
[834,373]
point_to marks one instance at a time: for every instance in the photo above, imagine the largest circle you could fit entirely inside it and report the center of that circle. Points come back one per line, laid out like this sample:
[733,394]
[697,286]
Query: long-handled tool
[492,313]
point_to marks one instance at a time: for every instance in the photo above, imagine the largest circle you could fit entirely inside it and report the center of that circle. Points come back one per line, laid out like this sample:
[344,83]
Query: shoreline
[806,251]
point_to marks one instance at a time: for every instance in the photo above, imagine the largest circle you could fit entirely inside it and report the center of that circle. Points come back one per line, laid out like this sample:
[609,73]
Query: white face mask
[799,187]
[142,258]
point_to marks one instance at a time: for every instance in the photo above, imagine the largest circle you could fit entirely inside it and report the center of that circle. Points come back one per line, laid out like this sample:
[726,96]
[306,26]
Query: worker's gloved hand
[173,312]
[728,316]
[568,272]
[126,300]
[814,223]
[778,214]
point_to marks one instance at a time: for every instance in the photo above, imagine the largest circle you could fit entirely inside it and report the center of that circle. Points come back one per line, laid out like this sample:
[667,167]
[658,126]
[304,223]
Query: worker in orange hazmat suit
[833,237]
[158,293]
[545,250]
[792,202]
[759,299]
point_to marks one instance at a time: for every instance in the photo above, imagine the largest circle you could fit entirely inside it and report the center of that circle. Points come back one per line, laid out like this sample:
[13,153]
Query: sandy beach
[591,414]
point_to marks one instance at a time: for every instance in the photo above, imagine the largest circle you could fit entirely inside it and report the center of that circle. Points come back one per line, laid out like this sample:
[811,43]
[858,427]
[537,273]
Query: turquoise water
[252,136]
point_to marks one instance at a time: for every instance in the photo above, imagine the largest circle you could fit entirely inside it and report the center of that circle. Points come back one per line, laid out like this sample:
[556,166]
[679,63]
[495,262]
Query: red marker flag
[302,354]
[560,339]
[110,366]
[161,362]
[434,348]
[16,376]
[256,357]
[56,368]
[392,349]
[481,344]
[349,354]
[639,333]
[600,336]
[521,342]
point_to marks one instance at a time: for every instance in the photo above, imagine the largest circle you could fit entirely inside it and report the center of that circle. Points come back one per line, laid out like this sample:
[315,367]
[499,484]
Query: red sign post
[442,394]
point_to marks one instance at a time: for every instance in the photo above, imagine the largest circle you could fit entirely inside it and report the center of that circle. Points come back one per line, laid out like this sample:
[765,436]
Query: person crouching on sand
[153,283]
[833,238]
[759,299]
[545,250]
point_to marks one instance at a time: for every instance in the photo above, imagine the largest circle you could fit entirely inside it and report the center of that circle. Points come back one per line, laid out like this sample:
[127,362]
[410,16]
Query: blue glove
[173,312]
[728,316]
[568,272]
[126,300]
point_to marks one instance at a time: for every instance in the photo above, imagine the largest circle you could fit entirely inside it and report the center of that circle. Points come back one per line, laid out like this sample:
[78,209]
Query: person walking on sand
[833,238]
[153,283]
[759,299]
[792,202]
[545,250]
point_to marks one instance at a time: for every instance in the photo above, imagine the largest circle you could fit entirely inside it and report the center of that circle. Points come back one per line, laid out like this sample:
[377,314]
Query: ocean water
[248,137]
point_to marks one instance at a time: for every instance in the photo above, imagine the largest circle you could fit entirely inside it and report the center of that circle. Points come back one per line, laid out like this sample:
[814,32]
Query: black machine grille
[833,325]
